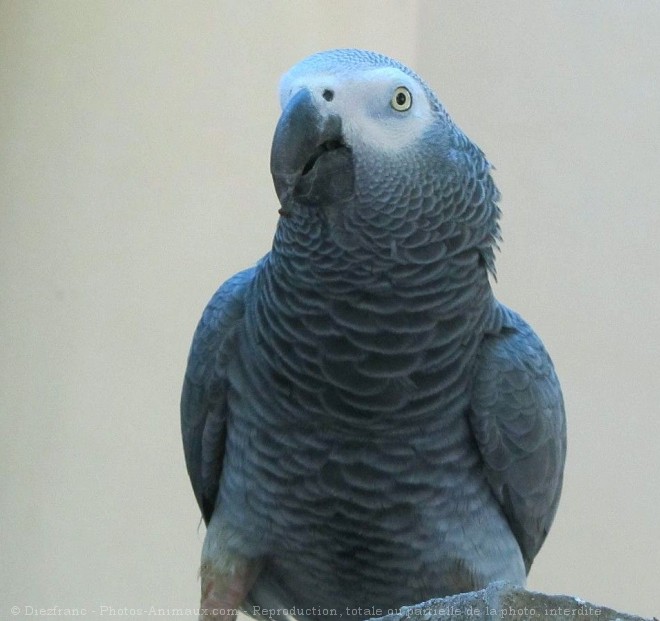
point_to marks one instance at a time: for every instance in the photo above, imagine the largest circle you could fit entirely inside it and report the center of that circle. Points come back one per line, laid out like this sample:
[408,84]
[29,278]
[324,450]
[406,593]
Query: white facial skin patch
[381,109]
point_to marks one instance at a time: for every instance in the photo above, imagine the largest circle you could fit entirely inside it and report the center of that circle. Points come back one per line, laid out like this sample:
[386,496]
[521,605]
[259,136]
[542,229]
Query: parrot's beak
[309,160]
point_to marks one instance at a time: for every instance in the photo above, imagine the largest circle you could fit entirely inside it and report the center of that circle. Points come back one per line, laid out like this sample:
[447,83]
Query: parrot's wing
[203,398]
[517,417]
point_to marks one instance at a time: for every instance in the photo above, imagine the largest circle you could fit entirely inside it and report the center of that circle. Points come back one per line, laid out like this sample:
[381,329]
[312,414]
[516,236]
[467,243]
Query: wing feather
[518,420]
[203,398]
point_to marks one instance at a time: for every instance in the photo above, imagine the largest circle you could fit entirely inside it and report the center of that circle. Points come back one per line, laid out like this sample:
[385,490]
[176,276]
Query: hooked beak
[310,163]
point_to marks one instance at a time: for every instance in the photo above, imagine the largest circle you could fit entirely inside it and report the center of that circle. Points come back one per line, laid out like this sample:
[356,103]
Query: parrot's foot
[223,593]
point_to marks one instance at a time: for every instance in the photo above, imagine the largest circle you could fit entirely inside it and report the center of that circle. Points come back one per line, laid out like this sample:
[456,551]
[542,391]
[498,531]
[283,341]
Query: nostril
[328,95]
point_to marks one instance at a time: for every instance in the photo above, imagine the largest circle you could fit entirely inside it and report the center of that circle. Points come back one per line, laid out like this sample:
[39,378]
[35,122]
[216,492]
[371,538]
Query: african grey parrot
[365,425]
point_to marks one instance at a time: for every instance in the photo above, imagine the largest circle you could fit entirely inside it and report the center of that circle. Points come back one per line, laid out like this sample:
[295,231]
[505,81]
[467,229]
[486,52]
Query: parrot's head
[364,143]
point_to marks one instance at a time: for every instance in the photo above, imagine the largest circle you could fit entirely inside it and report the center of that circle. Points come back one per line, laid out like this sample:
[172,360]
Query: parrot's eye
[401,99]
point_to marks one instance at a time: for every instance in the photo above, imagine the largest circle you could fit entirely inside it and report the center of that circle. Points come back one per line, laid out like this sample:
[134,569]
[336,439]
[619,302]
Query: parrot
[364,424]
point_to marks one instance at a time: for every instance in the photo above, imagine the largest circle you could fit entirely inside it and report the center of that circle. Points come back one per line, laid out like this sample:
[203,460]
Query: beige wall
[134,144]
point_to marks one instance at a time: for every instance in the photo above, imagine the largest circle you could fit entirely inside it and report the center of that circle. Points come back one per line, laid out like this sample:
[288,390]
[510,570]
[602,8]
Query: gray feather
[518,420]
[203,399]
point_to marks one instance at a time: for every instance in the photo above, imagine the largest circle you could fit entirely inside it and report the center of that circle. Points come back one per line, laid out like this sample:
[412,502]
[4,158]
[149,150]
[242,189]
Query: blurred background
[134,154]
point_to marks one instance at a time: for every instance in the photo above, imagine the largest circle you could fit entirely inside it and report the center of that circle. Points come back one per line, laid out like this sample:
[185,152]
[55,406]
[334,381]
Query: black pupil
[401,98]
